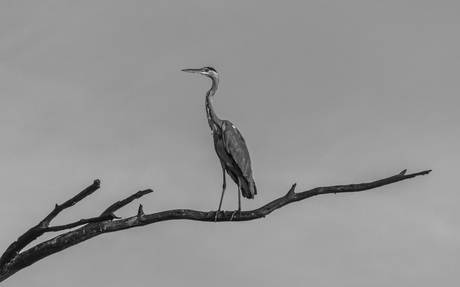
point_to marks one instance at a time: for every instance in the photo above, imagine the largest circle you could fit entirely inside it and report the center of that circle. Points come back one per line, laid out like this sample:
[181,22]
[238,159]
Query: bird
[229,145]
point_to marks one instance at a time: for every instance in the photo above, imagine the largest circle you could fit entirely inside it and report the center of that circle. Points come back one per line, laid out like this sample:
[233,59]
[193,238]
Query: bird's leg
[224,185]
[239,201]
[239,197]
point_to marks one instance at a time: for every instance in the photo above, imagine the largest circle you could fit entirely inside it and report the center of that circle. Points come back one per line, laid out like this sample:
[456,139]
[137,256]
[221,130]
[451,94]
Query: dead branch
[14,260]
[41,227]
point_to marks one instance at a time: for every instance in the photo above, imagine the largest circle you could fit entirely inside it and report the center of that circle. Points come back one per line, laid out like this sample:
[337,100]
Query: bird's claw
[231,217]
[217,215]
[234,212]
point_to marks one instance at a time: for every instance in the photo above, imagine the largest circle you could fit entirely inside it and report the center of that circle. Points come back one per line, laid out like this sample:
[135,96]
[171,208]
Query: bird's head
[205,71]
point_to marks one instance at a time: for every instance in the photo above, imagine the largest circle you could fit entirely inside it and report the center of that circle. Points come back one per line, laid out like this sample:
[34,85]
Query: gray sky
[325,93]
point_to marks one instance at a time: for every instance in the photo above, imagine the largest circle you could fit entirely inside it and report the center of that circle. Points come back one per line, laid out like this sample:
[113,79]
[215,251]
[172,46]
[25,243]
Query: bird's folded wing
[235,146]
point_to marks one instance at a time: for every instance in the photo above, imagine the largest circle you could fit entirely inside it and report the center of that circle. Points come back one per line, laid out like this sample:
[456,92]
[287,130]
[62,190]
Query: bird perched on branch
[229,144]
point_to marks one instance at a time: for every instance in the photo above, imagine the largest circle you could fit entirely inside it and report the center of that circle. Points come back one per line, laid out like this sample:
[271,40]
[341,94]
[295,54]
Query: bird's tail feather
[248,188]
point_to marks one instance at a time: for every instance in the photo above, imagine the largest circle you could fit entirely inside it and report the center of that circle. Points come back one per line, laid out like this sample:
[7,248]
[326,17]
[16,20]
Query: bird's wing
[235,145]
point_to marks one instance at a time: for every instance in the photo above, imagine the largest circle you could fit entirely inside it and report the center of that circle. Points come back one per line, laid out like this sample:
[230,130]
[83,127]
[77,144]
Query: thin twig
[80,196]
[79,223]
[119,204]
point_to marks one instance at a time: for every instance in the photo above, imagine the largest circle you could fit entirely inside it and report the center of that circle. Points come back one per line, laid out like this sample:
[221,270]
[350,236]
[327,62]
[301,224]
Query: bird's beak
[192,70]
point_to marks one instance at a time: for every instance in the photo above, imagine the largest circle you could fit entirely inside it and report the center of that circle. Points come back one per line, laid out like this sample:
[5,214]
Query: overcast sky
[324,92]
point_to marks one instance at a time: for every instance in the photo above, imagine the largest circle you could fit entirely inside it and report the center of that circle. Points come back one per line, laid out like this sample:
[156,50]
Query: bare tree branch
[40,228]
[119,204]
[71,202]
[12,260]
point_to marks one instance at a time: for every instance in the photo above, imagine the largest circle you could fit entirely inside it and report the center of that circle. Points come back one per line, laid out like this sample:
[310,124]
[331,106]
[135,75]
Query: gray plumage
[229,144]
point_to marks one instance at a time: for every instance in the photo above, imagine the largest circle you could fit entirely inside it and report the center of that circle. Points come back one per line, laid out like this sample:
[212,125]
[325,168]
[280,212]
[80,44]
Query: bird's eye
[205,70]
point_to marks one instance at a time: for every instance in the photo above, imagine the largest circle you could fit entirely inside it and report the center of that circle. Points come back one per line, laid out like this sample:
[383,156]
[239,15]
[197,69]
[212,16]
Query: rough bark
[13,260]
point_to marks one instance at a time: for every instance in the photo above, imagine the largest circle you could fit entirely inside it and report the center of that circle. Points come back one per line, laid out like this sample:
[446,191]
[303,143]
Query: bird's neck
[213,120]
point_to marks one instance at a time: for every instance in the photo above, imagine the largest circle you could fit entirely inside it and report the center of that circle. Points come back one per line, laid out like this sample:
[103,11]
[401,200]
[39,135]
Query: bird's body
[229,144]
[234,157]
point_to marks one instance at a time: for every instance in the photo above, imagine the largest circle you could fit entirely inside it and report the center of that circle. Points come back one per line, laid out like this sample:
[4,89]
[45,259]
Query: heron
[229,145]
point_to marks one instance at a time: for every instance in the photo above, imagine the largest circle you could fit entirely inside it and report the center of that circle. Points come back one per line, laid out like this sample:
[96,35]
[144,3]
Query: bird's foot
[217,215]
[234,212]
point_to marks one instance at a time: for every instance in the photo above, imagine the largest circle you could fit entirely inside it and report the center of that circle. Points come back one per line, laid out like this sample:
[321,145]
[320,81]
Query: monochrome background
[324,92]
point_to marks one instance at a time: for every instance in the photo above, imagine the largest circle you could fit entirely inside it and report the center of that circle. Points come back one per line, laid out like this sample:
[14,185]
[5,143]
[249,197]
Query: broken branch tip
[291,191]
[140,211]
